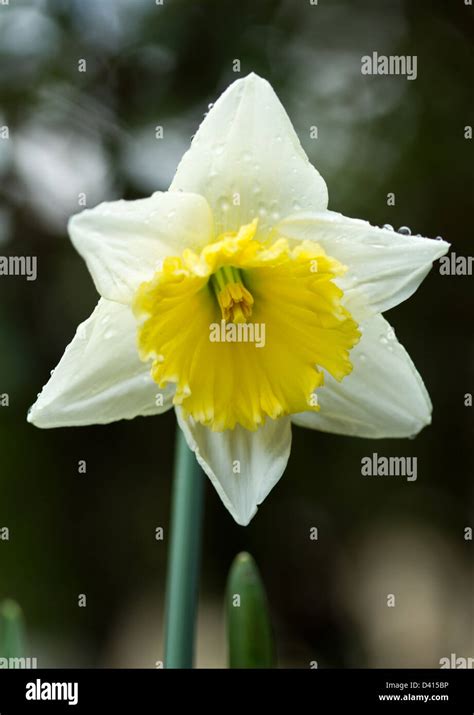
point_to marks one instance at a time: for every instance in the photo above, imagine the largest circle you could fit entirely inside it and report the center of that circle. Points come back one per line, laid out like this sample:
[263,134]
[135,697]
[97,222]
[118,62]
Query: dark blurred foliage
[94,132]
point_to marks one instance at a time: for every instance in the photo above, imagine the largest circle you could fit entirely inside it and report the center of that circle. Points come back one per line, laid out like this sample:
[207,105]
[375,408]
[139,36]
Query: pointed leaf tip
[250,637]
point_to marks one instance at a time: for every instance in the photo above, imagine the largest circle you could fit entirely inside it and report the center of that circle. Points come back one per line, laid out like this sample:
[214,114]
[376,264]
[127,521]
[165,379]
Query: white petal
[100,378]
[262,457]
[123,241]
[384,396]
[385,268]
[247,151]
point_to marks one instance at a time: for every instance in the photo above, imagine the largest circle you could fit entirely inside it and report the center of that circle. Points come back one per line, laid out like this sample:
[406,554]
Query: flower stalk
[184,557]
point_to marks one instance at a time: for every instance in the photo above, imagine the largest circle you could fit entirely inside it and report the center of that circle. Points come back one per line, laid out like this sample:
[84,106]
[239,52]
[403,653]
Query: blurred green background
[94,132]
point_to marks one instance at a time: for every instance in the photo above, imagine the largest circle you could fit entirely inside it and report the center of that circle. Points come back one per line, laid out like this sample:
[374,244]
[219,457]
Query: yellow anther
[234,299]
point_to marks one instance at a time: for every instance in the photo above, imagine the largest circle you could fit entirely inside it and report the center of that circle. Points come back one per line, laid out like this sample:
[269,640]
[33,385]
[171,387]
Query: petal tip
[33,416]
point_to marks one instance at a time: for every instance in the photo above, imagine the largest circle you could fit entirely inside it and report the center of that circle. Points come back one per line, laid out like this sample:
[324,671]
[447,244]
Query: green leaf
[12,630]
[248,623]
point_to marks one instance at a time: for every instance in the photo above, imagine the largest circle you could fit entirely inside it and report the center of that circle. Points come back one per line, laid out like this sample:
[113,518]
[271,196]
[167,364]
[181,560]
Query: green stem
[184,557]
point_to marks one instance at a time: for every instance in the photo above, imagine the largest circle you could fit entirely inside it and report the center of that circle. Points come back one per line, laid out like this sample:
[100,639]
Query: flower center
[194,328]
[233,297]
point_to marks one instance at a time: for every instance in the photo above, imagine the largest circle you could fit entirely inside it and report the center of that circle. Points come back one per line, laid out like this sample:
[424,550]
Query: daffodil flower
[243,238]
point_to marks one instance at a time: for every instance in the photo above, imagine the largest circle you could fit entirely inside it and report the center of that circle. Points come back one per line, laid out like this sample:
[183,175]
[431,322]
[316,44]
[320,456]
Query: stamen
[233,297]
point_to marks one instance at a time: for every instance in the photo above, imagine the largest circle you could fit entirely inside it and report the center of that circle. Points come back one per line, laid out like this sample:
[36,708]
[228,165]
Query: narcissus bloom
[240,299]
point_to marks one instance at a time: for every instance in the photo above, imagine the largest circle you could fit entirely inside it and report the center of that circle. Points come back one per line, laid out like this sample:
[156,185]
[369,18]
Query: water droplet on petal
[362,357]
[81,332]
[109,334]
[51,372]
[274,212]
[388,226]
[404,230]
[224,204]
[439,238]
[210,105]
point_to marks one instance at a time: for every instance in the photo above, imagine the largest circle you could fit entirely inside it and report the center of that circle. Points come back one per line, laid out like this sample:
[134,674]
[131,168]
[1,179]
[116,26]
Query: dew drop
[439,238]
[384,340]
[404,230]
[362,357]
[224,204]
[210,105]
[109,334]
[51,372]
[388,227]
[274,212]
